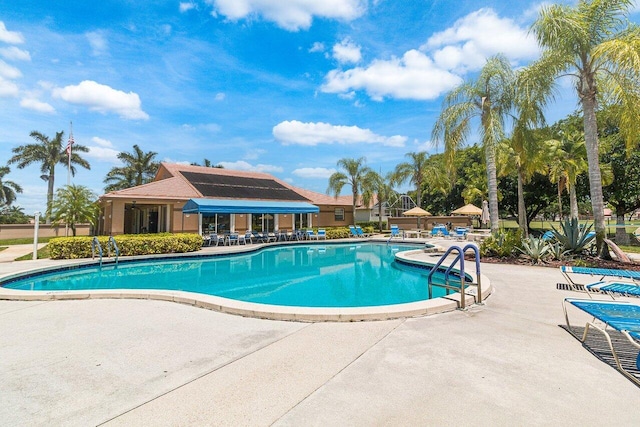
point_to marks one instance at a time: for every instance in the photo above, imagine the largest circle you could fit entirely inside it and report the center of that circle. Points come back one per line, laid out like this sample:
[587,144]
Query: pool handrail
[116,250]
[448,272]
[96,243]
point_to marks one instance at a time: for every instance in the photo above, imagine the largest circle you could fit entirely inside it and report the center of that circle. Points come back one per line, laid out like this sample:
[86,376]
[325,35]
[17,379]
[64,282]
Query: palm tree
[413,171]
[594,43]
[139,169]
[74,204]
[489,98]
[8,189]
[380,187]
[355,171]
[532,91]
[49,153]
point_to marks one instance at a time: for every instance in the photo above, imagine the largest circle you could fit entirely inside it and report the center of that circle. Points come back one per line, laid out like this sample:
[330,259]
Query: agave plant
[557,251]
[574,237]
[535,248]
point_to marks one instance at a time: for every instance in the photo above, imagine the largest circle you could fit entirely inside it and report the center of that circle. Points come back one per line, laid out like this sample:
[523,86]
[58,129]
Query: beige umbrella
[468,210]
[417,212]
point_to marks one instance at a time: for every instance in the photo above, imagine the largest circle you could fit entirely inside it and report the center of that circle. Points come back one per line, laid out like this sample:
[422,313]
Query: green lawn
[5,242]
[42,254]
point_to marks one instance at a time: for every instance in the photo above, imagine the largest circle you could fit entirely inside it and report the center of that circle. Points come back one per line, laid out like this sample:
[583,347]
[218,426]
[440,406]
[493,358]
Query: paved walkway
[139,362]
[16,251]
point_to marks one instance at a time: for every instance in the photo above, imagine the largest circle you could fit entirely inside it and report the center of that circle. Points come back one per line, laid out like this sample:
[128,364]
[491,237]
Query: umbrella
[468,210]
[484,218]
[418,212]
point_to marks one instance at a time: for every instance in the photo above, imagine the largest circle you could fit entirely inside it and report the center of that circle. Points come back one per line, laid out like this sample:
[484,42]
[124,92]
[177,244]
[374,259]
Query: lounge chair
[609,287]
[395,231]
[460,233]
[636,234]
[361,233]
[353,232]
[232,239]
[322,234]
[621,316]
[440,230]
[548,235]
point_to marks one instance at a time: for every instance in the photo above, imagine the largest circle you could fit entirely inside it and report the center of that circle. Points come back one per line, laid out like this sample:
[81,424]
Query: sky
[282,87]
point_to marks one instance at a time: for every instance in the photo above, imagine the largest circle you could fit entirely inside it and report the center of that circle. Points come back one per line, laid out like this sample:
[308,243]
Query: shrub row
[132,244]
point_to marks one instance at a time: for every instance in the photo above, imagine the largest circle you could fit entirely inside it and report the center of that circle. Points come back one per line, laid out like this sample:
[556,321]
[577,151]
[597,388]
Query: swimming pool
[315,275]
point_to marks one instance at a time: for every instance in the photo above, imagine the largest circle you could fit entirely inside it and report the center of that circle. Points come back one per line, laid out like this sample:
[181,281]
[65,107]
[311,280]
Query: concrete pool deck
[142,362]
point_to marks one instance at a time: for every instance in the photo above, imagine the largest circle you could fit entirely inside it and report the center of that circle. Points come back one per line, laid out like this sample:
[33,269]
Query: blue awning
[228,206]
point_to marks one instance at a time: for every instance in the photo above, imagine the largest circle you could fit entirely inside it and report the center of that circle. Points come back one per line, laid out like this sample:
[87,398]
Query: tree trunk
[492,185]
[622,237]
[522,211]
[573,201]
[595,178]
[353,206]
[560,198]
[49,198]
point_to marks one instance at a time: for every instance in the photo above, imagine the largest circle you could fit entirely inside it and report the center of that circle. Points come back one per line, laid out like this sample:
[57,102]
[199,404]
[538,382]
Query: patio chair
[395,231]
[232,239]
[215,239]
[353,232]
[548,235]
[624,317]
[310,234]
[361,232]
[322,234]
[258,237]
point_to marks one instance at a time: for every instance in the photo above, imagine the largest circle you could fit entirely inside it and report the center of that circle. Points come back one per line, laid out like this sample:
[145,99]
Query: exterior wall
[25,231]
[285,221]
[326,217]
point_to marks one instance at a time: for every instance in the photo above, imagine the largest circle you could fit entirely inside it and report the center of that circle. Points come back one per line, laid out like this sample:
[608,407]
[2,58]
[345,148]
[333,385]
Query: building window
[301,221]
[339,214]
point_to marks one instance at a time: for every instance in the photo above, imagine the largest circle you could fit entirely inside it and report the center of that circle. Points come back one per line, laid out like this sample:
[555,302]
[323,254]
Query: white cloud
[102,142]
[35,105]
[317,47]
[414,76]
[15,54]
[11,37]
[8,71]
[347,52]
[220,96]
[8,88]
[254,154]
[323,173]
[103,151]
[241,165]
[295,132]
[186,6]
[472,39]
[292,15]
[98,43]
[103,99]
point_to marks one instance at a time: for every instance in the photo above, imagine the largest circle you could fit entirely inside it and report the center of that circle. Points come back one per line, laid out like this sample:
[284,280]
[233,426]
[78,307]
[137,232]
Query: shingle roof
[171,181]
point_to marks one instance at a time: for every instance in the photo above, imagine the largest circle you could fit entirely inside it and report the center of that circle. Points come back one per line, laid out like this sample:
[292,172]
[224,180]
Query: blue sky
[286,88]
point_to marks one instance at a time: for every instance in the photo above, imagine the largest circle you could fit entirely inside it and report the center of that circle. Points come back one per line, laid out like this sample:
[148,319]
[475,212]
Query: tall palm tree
[489,98]
[8,189]
[413,171]
[593,42]
[379,186]
[354,173]
[74,204]
[49,153]
[532,90]
[139,169]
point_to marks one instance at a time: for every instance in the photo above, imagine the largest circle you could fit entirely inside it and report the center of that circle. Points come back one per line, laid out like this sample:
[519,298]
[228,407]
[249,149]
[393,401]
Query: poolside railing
[459,275]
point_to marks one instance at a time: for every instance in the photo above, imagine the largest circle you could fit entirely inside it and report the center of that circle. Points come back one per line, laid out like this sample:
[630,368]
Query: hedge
[128,244]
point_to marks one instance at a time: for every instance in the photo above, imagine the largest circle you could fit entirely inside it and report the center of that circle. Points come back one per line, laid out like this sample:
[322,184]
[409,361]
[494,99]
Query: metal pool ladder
[95,243]
[460,278]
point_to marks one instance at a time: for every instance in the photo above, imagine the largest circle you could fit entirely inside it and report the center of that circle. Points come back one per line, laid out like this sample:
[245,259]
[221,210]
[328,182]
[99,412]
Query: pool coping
[418,257]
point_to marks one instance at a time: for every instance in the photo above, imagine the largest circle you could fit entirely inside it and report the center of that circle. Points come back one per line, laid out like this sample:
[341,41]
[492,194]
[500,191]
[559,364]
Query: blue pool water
[332,275]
